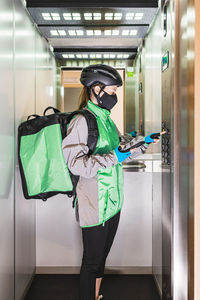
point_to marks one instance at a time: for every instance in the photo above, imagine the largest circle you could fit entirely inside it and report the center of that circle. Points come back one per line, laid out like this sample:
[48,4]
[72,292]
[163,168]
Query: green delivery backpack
[43,170]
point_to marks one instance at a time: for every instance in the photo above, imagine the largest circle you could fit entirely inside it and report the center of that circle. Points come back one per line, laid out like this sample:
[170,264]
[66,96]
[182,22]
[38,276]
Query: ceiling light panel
[97,32]
[67,16]
[63,16]
[55,16]
[62,32]
[95,16]
[97,55]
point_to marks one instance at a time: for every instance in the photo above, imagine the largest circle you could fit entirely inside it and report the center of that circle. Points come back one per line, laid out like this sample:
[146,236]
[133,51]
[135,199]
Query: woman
[100,186]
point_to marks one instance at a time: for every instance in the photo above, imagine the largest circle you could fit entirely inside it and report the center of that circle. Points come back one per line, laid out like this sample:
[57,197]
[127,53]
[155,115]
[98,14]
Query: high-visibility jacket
[100,190]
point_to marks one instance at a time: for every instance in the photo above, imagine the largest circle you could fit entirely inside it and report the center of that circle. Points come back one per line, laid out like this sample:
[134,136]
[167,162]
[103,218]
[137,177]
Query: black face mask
[106,101]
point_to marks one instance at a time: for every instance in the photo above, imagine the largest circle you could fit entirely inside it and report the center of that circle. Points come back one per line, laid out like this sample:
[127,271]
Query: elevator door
[167,199]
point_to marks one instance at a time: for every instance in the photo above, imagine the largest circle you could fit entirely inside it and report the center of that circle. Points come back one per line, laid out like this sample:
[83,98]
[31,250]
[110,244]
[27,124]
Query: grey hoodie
[75,152]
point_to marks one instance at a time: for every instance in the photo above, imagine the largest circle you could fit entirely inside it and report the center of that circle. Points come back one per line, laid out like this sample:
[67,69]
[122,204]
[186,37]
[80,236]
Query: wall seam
[14,158]
[35,96]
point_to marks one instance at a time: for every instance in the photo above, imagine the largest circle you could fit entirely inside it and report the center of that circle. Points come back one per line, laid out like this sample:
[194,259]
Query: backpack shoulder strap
[93,132]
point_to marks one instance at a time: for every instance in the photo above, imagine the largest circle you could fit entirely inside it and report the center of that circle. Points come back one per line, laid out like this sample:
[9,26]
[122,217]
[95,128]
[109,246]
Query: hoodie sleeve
[75,151]
[140,150]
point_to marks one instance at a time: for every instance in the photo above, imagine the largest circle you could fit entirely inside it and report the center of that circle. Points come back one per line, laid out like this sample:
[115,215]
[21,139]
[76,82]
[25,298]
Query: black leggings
[97,241]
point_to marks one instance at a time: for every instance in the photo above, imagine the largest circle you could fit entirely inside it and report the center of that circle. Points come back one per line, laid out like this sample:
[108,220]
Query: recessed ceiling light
[76,16]
[98,55]
[54,32]
[79,55]
[133,32]
[65,55]
[129,16]
[115,32]
[117,16]
[112,55]
[107,32]
[125,32]
[88,16]
[119,56]
[139,14]
[47,18]
[62,32]
[108,16]
[92,56]
[97,32]
[89,32]
[106,55]
[55,16]
[67,16]
[71,55]
[46,14]
[138,18]
[85,55]
[126,55]
[97,16]
[72,32]
[79,32]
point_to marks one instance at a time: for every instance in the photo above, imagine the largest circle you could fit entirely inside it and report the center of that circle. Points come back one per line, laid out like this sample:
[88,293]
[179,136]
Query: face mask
[106,101]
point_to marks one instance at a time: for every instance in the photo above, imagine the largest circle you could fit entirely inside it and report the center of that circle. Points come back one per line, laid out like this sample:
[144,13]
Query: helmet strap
[97,96]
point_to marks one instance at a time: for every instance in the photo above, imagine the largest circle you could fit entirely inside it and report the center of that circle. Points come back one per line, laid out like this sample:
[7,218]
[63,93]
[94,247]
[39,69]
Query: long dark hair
[84,97]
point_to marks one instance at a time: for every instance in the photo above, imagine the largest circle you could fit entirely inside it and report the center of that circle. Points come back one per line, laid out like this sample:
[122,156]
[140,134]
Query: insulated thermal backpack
[43,170]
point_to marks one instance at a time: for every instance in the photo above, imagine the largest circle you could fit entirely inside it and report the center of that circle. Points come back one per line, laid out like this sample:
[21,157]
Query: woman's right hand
[121,156]
[153,137]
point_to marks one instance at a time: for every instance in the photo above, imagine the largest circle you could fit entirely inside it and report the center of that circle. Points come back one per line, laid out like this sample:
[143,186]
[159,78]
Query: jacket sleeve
[140,150]
[75,151]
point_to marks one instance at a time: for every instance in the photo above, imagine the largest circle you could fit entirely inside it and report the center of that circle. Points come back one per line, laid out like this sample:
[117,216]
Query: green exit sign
[165,61]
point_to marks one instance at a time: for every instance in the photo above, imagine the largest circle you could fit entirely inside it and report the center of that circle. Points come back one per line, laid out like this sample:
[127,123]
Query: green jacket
[100,190]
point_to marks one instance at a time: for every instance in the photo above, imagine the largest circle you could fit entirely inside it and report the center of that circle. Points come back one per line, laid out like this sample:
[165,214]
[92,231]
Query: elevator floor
[114,287]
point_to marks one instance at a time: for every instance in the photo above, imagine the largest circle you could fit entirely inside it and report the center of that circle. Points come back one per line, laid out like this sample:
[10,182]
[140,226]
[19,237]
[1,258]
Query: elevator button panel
[166,157]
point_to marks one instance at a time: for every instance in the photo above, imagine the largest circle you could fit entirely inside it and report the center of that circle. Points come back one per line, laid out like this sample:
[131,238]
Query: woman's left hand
[156,141]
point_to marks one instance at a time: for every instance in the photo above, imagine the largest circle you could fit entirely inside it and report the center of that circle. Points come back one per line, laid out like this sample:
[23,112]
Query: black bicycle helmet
[100,73]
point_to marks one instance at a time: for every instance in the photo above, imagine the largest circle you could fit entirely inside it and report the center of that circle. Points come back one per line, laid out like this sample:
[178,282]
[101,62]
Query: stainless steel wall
[131,103]
[183,217]
[149,109]
[6,152]
[153,109]
[24,99]
[167,149]
[22,53]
